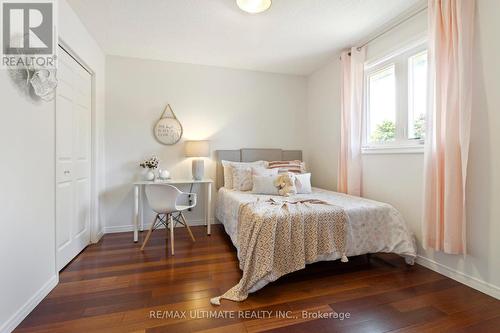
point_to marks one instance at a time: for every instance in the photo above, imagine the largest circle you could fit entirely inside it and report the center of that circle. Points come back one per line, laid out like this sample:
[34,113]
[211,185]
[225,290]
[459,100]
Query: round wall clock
[168,130]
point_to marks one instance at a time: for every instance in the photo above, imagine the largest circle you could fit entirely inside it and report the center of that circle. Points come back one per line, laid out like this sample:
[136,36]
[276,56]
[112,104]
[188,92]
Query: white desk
[138,202]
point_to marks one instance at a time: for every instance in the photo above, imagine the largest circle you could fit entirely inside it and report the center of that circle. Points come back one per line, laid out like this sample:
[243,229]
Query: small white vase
[150,175]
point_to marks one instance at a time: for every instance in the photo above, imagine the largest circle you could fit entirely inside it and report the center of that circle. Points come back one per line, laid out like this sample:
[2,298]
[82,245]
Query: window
[396,100]
[382,105]
[417,95]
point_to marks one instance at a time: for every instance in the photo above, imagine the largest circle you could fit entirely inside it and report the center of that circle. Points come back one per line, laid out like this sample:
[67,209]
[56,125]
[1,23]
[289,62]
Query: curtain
[351,114]
[451,25]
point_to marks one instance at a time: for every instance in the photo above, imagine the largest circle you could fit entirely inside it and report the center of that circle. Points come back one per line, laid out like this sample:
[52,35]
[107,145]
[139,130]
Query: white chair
[167,200]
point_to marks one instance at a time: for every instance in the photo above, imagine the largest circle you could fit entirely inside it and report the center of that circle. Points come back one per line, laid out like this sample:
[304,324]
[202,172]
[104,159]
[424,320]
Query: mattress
[373,226]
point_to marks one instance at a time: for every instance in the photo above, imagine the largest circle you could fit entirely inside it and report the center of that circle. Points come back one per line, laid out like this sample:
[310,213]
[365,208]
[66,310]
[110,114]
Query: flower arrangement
[151,163]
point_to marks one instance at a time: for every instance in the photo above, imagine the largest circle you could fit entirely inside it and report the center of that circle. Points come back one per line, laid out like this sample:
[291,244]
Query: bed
[371,226]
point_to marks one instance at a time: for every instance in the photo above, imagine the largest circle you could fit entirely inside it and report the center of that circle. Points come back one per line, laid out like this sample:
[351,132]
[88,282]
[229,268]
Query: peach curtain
[451,25]
[351,114]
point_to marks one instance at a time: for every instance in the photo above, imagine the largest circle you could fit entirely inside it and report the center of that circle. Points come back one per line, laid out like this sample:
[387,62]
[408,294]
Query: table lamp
[197,149]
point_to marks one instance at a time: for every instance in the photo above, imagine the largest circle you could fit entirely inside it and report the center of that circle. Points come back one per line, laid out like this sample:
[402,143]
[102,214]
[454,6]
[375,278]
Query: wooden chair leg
[149,233]
[166,232]
[171,220]
[187,227]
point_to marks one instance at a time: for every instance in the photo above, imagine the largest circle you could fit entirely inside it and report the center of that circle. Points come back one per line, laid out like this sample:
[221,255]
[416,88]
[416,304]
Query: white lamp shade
[197,148]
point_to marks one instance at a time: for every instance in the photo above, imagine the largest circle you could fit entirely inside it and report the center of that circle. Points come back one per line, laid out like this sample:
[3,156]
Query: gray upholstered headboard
[251,155]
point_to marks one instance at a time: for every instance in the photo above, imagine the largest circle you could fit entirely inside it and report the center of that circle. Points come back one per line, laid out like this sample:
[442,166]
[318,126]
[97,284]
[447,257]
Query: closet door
[73,151]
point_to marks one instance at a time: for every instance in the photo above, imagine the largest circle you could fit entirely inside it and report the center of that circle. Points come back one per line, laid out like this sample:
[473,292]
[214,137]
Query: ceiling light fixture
[254,6]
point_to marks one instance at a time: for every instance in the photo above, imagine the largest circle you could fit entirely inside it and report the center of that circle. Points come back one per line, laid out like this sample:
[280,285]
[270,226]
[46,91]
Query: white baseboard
[98,236]
[25,310]
[473,282]
[130,227]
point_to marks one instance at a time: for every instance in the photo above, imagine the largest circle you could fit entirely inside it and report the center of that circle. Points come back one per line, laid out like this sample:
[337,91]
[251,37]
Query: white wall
[397,178]
[27,254]
[231,108]
[323,119]
[27,217]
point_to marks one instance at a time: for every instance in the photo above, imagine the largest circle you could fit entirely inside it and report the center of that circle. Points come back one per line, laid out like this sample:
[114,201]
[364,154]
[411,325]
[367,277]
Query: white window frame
[399,59]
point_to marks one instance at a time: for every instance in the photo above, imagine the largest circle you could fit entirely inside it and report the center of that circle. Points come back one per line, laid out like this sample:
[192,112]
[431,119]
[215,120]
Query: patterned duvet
[371,227]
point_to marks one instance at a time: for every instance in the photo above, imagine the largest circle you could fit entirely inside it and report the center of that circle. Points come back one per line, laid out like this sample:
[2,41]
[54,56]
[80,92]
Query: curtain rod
[395,25]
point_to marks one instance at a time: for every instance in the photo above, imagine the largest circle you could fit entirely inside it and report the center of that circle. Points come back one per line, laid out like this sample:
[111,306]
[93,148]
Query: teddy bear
[285,184]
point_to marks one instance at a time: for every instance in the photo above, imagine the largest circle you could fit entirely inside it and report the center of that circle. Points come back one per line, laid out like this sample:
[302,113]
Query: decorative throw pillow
[261,171]
[242,178]
[294,166]
[303,183]
[264,185]
[228,172]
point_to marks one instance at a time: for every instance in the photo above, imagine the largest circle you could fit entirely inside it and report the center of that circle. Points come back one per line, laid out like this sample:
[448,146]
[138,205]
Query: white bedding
[373,226]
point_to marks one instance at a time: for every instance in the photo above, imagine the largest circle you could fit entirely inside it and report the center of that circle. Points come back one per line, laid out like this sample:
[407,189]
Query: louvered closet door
[73,151]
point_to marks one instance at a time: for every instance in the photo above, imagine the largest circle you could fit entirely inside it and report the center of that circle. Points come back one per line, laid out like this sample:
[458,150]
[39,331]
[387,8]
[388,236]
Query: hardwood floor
[113,287]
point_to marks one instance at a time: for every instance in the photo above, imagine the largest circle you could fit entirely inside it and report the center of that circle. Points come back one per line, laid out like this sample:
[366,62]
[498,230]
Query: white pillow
[228,176]
[264,185]
[262,171]
[242,178]
[303,183]
[228,172]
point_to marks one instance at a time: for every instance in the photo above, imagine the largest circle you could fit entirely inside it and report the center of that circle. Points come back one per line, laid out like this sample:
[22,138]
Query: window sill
[416,149]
